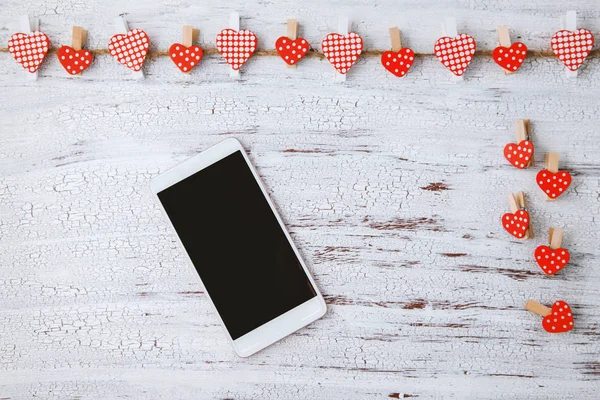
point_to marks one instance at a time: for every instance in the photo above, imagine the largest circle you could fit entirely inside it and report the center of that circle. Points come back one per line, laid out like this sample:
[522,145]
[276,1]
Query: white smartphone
[236,241]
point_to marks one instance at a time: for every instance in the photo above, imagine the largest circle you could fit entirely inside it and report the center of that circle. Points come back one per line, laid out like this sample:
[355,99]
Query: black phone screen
[236,244]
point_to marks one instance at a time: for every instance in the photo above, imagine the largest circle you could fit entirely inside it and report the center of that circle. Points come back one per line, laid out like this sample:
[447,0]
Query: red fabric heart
[291,51]
[185,58]
[455,53]
[561,319]
[572,47]
[236,47]
[74,62]
[553,184]
[516,224]
[398,63]
[510,58]
[130,49]
[520,154]
[551,261]
[342,51]
[29,49]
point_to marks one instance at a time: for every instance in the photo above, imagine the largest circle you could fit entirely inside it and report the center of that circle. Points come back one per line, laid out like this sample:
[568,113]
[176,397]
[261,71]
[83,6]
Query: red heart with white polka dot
[553,184]
[398,63]
[551,261]
[236,47]
[342,51]
[455,53]
[291,51]
[130,49]
[520,154]
[516,224]
[572,47]
[185,58]
[29,49]
[74,62]
[561,319]
[510,58]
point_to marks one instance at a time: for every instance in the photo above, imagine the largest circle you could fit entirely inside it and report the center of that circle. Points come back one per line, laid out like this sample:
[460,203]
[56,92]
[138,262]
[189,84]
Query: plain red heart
[516,224]
[398,63]
[520,154]
[185,58]
[553,184]
[561,319]
[236,47]
[455,53]
[510,58]
[291,51]
[74,62]
[29,49]
[130,49]
[572,47]
[342,51]
[551,261]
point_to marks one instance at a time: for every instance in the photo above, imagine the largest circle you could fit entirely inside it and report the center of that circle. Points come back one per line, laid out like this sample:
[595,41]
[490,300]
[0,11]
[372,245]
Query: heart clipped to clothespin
[74,58]
[29,47]
[129,47]
[185,55]
[508,55]
[518,221]
[342,49]
[552,258]
[551,180]
[571,45]
[235,45]
[557,319]
[290,47]
[521,153]
[454,51]
[399,60]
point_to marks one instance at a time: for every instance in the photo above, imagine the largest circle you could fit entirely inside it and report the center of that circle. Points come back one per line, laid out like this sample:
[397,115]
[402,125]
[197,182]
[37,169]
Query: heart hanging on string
[510,58]
[185,58]
[236,47]
[572,47]
[29,49]
[342,51]
[130,49]
[455,53]
[291,51]
[398,63]
[74,61]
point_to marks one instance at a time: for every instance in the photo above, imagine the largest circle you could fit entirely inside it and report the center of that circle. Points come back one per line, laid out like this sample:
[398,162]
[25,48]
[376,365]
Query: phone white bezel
[281,326]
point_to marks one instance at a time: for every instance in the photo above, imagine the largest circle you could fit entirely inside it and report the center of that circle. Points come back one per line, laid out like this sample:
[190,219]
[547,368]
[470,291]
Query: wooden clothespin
[523,130]
[396,39]
[292,33]
[517,202]
[569,22]
[449,29]
[551,164]
[343,29]
[504,40]
[234,23]
[29,25]
[122,27]
[189,36]
[556,237]
[78,38]
[537,308]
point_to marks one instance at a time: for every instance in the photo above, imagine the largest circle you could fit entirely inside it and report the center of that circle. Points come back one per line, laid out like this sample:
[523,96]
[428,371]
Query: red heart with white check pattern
[551,261]
[74,62]
[572,47]
[520,154]
[516,224]
[510,58]
[29,49]
[398,63]
[236,47]
[553,184]
[291,51]
[185,58]
[342,51]
[130,49]
[455,53]
[561,319]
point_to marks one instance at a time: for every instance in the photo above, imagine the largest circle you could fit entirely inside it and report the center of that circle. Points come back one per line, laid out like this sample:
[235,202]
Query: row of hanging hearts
[549,260]
[342,51]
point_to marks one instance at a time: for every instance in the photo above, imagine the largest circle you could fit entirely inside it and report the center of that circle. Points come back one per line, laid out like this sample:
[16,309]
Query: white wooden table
[392,188]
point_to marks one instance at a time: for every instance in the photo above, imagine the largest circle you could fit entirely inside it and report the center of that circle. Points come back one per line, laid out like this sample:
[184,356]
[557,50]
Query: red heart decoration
[291,51]
[516,224]
[185,58]
[561,319]
[130,49]
[29,49]
[551,261]
[510,58]
[236,47]
[520,154]
[342,51]
[74,62]
[553,184]
[398,63]
[455,53]
[572,47]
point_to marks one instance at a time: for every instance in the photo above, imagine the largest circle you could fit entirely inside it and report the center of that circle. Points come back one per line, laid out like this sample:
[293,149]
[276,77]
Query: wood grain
[392,188]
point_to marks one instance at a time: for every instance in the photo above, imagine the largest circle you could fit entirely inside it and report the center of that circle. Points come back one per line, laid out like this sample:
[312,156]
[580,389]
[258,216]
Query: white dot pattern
[553,184]
[551,261]
[572,47]
[455,53]
[510,58]
[342,51]
[398,63]
[520,154]
[29,49]
[130,49]
[291,51]
[185,58]
[561,319]
[516,224]
[236,47]
[74,62]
